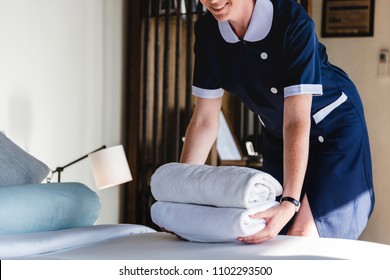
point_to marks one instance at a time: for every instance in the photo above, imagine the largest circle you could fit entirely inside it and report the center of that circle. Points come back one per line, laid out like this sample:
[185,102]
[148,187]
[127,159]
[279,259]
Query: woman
[315,139]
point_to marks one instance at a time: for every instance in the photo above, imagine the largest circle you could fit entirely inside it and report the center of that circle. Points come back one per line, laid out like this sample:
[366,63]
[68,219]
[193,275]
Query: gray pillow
[17,167]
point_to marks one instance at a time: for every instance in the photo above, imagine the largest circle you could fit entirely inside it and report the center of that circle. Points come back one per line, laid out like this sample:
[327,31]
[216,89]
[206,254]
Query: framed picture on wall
[229,152]
[347,18]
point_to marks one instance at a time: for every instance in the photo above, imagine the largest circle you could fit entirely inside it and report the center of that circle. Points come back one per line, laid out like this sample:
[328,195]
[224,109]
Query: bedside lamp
[109,167]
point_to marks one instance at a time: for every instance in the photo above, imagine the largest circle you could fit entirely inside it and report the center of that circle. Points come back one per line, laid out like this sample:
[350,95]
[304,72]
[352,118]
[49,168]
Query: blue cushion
[18,167]
[47,207]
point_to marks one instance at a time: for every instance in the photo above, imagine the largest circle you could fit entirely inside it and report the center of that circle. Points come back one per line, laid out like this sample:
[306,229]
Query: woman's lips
[219,7]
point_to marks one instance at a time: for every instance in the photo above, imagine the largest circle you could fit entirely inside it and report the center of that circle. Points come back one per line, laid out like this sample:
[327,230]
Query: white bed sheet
[32,244]
[159,245]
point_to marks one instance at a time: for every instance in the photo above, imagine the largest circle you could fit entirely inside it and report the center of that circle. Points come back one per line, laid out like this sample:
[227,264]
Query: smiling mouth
[219,8]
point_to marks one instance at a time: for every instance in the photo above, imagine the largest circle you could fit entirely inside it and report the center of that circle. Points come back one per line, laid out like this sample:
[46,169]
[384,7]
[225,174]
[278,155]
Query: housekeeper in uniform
[315,139]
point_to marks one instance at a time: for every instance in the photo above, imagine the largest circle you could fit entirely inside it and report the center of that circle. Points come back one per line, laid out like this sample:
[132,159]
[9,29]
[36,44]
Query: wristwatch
[292,200]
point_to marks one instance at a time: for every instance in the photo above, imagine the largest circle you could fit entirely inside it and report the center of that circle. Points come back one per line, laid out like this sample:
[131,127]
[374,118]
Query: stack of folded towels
[206,203]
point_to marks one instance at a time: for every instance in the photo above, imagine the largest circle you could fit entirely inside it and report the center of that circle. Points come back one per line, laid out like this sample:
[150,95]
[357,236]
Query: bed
[56,221]
[138,242]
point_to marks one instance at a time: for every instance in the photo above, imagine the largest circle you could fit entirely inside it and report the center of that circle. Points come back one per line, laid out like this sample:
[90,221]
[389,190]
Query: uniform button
[321,139]
[274,90]
[264,55]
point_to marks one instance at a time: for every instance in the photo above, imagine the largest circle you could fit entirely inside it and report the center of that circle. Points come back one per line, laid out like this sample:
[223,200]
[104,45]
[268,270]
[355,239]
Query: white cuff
[315,89]
[207,93]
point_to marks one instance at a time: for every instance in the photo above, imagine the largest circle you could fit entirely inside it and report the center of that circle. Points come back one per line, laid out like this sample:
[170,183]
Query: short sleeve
[205,84]
[303,67]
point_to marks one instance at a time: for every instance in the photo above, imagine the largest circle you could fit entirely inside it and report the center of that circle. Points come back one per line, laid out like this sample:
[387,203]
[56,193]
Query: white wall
[359,57]
[61,83]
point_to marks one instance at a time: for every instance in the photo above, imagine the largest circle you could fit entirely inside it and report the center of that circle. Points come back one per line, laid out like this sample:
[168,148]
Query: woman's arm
[202,130]
[296,150]
[296,135]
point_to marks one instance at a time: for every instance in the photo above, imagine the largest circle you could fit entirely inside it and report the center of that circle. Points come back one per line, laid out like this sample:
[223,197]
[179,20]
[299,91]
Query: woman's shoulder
[290,11]
[291,16]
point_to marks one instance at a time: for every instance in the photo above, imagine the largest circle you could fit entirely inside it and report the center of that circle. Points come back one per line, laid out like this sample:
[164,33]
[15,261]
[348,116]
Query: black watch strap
[291,200]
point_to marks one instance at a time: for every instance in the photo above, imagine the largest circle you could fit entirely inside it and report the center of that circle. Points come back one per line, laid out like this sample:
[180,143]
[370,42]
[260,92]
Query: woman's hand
[276,218]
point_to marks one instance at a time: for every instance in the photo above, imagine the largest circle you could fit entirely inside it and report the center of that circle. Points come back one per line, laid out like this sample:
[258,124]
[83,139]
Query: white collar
[259,26]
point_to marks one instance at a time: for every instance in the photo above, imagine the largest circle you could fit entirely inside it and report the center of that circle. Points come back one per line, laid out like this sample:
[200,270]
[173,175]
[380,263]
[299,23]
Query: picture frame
[348,18]
[229,152]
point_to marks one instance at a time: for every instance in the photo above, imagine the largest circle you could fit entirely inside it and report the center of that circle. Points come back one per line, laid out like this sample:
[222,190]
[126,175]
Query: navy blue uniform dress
[280,56]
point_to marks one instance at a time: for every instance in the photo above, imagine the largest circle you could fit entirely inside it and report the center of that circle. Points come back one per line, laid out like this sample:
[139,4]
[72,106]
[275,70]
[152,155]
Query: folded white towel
[203,223]
[221,186]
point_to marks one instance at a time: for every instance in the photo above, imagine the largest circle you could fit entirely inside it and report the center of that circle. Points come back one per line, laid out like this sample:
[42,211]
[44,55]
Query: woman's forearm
[296,144]
[202,131]
[296,147]
[198,142]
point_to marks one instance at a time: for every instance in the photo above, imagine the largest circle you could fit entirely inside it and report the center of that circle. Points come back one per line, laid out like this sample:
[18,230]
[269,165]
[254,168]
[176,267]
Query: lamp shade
[110,167]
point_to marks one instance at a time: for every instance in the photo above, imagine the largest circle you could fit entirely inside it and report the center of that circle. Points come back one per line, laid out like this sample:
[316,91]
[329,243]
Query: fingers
[259,215]
[264,235]
[263,214]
